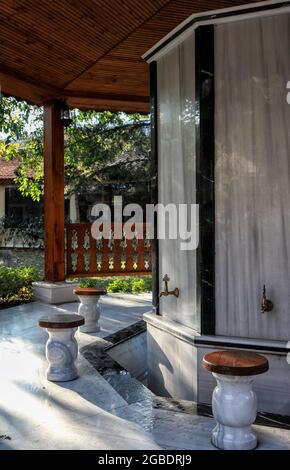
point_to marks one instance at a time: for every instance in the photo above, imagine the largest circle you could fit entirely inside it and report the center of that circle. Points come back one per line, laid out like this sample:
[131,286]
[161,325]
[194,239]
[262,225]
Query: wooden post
[54,193]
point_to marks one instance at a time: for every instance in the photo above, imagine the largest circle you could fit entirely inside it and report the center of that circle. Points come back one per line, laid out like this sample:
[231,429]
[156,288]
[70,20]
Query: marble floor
[90,413]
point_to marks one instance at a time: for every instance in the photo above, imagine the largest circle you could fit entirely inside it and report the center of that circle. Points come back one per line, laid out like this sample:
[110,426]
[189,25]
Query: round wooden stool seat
[235,362]
[61,321]
[90,291]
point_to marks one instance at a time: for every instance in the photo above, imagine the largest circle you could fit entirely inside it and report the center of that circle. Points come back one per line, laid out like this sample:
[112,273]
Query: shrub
[138,285]
[119,286]
[10,282]
[147,283]
[28,275]
[89,283]
[16,284]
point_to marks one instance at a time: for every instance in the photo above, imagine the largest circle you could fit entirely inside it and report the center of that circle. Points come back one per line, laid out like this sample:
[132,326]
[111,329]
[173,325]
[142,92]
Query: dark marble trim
[97,354]
[200,19]
[132,391]
[154,183]
[204,127]
[126,333]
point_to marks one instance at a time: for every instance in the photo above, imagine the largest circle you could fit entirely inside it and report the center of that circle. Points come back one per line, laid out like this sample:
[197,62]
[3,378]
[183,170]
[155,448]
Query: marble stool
[234,403]
[89,307]
[61,347]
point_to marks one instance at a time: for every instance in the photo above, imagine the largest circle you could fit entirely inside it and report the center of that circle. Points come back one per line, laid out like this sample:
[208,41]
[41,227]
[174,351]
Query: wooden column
[54,193]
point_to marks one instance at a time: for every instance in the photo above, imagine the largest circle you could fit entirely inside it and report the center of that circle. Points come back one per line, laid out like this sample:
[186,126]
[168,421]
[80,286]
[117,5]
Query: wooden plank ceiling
[87,51]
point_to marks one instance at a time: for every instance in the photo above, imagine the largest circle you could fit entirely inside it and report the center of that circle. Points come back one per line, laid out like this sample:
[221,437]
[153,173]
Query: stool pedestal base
[61,353]
[89,308]
[234,406]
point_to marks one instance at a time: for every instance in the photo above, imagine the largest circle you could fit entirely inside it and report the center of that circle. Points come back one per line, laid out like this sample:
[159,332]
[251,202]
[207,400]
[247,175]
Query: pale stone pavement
[87,413]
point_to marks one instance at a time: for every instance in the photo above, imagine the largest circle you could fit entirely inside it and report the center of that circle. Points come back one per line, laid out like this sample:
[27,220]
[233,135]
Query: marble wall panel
[252,177]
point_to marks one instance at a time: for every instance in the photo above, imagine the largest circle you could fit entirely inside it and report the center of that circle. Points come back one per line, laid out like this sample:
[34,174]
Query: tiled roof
[8,170]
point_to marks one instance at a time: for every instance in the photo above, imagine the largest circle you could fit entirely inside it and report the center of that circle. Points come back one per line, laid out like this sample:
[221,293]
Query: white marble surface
[132,355]
[262,345]
[185,378]
[272,387]
[181,431]
[38,414]
[54,292]
[176,174]
[234,406]
[252,177]
[87,413]
[89,308]
[172,367]
[174,328]
[61,353]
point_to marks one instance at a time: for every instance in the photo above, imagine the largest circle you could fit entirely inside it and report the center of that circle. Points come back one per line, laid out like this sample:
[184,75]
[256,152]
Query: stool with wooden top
[61,347]
[89,307]
[234,403]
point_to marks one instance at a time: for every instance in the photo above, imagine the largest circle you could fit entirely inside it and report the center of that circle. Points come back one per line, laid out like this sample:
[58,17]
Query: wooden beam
[54,193]
[22,89]
[104,96]
[108,105]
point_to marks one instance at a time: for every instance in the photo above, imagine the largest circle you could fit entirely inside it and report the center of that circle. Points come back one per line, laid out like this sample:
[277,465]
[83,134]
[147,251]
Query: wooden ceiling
[88,51]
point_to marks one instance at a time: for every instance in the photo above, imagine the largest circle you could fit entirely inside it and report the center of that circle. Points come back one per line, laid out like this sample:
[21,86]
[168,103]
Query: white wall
[172,356]
[2,201]
[252,207]
[176,174]
[73,216]
[252,177]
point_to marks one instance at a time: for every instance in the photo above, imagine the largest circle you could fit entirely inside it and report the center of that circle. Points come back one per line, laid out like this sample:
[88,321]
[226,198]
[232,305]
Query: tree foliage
[101,148]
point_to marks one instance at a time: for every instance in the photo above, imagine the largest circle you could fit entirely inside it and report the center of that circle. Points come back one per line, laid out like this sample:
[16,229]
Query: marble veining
[133,391]
[61,353]
[176,174]
[252,177]
[89,308]
[117,376]
[88,413]
[262,419]
[234,406]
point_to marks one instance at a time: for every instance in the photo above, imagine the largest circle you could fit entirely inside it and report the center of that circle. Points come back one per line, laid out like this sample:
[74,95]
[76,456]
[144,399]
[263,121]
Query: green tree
[101,148]
[21,135]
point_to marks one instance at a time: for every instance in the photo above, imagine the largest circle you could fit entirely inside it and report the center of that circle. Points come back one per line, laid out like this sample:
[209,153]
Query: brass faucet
[167,292]
[266,304]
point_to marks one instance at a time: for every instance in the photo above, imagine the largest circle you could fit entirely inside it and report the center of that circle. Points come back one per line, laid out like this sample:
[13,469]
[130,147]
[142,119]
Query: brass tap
[167,292]
[266,304]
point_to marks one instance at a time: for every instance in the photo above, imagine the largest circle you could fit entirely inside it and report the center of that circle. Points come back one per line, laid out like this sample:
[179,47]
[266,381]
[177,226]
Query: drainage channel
[121,358]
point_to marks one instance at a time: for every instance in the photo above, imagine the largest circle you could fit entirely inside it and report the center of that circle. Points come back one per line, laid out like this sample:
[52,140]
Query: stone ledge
[178,330]
[252,344]
[142,297]
[196,339]
[55,292]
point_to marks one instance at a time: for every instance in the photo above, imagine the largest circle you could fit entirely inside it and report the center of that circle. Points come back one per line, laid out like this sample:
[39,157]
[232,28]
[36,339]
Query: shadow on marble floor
[94,411]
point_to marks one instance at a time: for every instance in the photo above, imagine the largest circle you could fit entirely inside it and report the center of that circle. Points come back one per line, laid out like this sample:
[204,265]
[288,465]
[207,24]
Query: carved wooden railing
[86,256]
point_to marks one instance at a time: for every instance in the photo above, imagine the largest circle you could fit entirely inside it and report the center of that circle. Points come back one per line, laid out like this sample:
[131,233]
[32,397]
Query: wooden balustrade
[86,256]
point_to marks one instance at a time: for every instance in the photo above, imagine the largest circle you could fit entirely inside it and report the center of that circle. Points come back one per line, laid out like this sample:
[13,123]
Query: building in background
[12,204]
[18,208]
